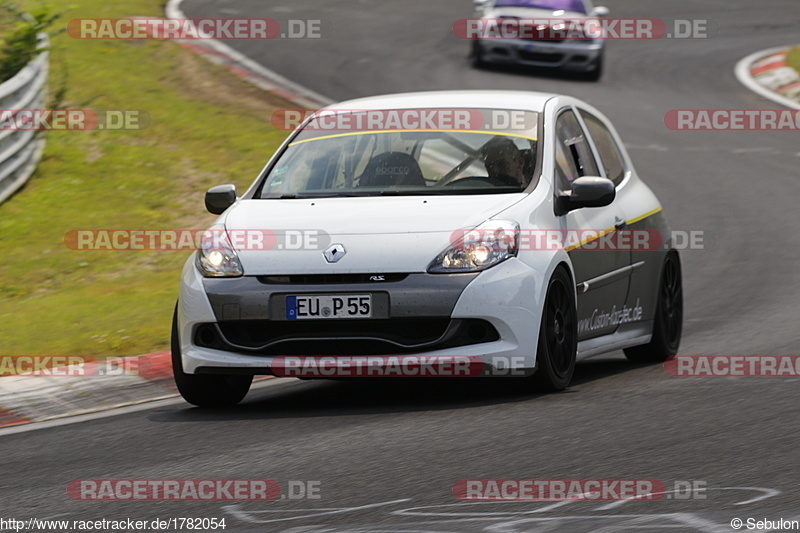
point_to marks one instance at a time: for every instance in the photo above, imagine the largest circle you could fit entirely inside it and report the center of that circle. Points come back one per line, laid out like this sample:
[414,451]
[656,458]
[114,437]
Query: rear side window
[574,157]
[610,156]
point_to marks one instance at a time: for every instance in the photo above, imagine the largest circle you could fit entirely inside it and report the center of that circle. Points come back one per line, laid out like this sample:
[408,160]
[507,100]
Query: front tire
[205,390]
[668,321]
[558,335]
[597,72]
[476,56]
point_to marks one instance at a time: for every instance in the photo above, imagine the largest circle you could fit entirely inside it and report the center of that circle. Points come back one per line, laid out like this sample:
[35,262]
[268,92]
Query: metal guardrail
[20,151]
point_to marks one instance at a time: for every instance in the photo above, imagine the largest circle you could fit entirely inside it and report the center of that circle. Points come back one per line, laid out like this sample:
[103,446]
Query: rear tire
[205,390]
[558,335]
[668,321]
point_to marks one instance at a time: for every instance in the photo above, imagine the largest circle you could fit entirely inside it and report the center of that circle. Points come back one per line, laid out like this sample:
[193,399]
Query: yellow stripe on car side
[648,214]
[609,230]
[369,132]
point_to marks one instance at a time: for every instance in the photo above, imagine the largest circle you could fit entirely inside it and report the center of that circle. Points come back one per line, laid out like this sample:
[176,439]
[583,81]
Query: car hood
[379,234]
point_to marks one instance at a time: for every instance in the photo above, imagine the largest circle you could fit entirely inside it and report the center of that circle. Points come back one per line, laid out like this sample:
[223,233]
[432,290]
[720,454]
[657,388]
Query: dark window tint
[567,5]
[610,156]
[573,156]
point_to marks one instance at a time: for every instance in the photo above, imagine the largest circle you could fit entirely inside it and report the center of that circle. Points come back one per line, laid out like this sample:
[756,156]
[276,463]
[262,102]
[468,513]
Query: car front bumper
[567,55]
[238,325]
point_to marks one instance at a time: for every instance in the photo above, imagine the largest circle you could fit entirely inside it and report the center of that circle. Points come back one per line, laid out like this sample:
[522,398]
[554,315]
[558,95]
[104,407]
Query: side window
[610,156]
[574,157]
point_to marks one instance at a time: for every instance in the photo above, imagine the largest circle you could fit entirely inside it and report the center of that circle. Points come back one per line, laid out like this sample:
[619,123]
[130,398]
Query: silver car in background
[543,48]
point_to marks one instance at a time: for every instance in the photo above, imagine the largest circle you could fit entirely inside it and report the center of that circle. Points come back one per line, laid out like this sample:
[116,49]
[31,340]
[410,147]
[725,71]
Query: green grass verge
[207,127]
[793,58]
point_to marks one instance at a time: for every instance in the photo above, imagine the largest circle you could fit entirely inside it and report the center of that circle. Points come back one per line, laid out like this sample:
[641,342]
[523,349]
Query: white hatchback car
[506,227]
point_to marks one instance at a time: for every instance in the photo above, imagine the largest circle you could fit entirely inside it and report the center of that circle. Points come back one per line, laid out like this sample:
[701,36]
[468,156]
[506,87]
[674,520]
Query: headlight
[491,243]
[216,257]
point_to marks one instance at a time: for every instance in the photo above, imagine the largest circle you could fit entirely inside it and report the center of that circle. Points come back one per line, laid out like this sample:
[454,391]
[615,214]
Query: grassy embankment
[793,58]
[207,127]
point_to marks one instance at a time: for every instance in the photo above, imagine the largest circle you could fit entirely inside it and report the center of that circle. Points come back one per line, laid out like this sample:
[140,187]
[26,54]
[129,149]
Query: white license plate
[326,306]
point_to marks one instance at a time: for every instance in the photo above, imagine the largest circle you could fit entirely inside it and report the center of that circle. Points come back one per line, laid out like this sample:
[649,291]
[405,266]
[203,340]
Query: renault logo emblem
[334,253]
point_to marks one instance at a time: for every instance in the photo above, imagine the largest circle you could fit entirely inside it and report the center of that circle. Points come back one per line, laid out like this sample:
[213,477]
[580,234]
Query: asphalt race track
[387,456]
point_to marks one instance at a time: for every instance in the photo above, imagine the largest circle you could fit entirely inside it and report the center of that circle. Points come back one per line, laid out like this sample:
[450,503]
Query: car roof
[526,100]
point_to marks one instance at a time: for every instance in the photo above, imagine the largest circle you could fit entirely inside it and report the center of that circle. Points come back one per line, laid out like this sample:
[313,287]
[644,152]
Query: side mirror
[480,3]
[586,192]
[600,11]
[220,198]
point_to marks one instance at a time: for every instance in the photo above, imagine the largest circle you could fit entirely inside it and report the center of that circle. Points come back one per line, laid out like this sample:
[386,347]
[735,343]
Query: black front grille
[541,58]
[343,337]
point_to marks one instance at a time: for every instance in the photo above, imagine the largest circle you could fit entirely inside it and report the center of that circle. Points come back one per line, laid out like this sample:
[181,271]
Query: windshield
[576,6]
[469,159]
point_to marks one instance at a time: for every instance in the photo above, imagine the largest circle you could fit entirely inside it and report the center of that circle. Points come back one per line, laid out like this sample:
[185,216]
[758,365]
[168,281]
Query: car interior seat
[392,168]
